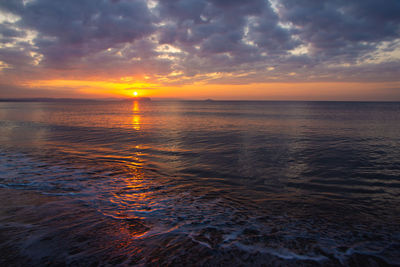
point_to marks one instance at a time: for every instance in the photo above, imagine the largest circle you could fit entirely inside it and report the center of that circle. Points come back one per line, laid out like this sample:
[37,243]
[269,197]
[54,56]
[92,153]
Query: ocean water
[199,183]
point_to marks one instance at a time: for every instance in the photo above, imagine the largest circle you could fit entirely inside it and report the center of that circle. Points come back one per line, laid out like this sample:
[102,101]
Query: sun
[135,93]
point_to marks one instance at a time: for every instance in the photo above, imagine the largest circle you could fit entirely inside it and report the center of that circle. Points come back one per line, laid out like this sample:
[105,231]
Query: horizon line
[62,99]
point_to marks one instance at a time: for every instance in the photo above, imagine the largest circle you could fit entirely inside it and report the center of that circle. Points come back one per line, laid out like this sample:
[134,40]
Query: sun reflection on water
[132,197]
[136,116]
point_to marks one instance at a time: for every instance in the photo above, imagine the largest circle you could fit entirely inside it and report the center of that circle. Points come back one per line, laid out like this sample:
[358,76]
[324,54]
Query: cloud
[15,91]
[342,29]
[241,41]
[70,30]
[140,88]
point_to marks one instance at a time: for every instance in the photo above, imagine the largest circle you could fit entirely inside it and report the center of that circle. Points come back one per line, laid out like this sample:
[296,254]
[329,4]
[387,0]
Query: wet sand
[36,229]
[41,230]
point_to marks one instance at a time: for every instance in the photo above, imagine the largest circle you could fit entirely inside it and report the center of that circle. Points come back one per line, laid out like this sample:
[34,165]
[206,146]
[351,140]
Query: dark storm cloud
[73,29]
[290,39]
[222,36]
[343,29]
[7,30]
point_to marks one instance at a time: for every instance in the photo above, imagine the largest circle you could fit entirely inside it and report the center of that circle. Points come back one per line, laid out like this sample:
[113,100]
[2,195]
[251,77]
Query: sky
[197,49]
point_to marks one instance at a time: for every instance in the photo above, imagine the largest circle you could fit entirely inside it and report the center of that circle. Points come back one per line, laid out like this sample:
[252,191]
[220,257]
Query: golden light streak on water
[136,117]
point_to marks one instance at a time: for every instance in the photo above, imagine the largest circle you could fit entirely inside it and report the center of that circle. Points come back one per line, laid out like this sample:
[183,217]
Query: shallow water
[200,183]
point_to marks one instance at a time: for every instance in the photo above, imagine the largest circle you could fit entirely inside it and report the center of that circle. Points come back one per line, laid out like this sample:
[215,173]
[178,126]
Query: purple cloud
[258,39]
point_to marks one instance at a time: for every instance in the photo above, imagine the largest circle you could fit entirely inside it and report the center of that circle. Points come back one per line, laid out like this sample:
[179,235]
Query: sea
[199,183]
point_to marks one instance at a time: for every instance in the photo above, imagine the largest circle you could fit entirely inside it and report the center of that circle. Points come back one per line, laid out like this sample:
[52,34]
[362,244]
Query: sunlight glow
[124,87]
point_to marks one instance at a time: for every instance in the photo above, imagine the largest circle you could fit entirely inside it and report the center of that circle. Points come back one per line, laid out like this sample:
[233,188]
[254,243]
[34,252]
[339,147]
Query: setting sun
[135,93]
